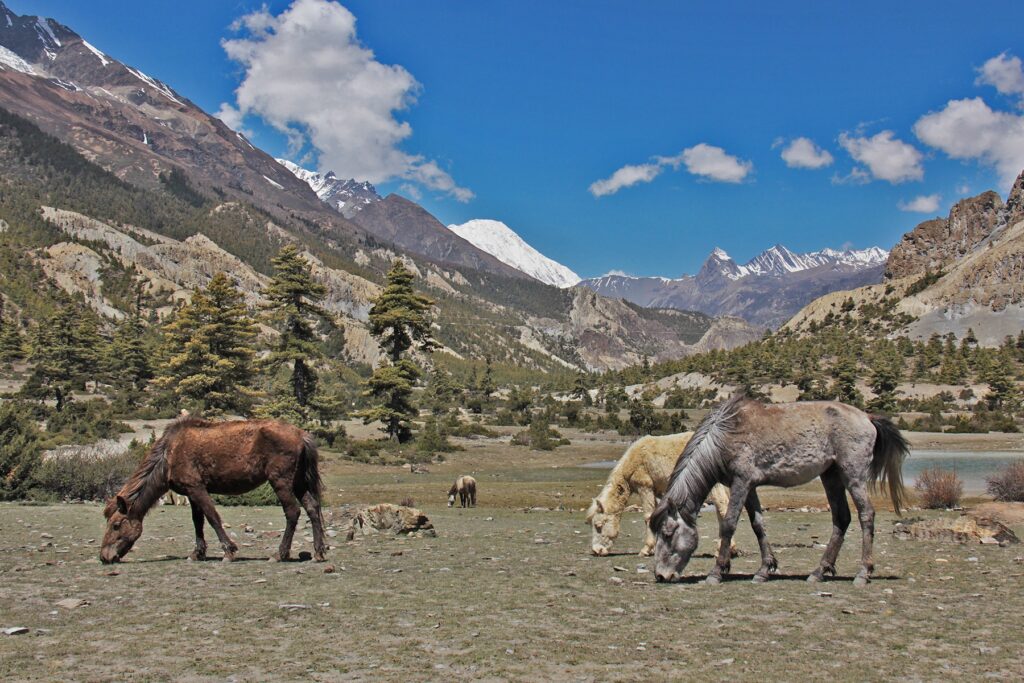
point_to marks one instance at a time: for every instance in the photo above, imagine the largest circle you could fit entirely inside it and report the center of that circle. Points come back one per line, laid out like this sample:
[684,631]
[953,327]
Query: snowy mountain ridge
[344,196]
[503,243]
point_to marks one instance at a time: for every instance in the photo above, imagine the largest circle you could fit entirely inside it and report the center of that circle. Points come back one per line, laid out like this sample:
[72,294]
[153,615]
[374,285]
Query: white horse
[644,469]
[746,444]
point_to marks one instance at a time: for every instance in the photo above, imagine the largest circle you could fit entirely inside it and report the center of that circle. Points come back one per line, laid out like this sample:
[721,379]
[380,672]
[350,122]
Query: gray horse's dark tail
[309,466]
[887,462]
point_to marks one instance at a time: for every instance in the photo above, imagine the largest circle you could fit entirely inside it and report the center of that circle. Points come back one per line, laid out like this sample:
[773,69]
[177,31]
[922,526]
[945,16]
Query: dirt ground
[503,592]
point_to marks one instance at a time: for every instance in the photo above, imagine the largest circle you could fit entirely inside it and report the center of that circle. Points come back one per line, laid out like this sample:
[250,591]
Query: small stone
[291,607]
[44,535]
[972,559]
[619,569]
[72,603]
[488,519]
[989,540]
[329,569]
[260,581]
[823,594]
[15,631]
[332,533]
[247,529]
[615,580]
[847,610]
[616,610]
[509,651]
[725,662]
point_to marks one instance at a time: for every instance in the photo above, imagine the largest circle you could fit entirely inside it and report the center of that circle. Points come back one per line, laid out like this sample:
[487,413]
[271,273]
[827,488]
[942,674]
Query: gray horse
[745,444]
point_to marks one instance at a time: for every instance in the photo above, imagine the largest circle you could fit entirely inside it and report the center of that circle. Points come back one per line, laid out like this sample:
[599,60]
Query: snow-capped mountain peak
[345,196]
[779,260]
[501,242]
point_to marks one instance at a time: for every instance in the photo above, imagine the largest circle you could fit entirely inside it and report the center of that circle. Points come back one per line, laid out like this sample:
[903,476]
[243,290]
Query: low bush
[939,488]
[20,452]
[261,495]
[94,472]
[1008,483]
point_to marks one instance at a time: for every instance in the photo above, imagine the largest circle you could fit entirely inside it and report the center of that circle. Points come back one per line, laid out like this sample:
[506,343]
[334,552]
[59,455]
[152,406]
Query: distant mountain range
[767,290]
[234,205]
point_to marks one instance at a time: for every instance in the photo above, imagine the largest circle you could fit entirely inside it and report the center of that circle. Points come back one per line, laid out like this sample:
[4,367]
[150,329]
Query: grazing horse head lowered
[746,444]
[195,458]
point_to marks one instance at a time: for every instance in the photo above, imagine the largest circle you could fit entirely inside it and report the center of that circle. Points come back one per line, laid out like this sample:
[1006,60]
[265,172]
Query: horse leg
[866,513]
[205,502]
[648,503]
[836,493]
[197,521]
[720,499]
[312,505]
[768,562]
[290,504]
[726,528]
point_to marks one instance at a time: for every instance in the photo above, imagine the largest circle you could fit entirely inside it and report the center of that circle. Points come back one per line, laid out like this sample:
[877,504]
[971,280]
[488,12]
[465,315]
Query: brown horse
[465,487]
[195,458]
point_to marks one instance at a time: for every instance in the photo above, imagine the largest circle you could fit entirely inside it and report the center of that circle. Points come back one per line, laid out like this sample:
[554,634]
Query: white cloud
[922,204]
[714,163]
[970,129]
[702,160]
[1004,73]
[884,156]
[625,177]
[803,153]
[307,74]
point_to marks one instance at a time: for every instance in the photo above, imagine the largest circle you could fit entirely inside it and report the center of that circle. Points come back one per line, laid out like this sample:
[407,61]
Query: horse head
[676,535]
[122,530]
[605,528]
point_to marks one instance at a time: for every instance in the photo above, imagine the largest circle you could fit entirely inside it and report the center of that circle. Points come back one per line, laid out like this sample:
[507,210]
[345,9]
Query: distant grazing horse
[643,469]
[746,444]
[465,487]
[195,458]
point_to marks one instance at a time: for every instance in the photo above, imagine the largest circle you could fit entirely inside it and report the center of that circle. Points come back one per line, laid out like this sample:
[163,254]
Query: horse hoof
[814,578]
[860,581]
[759,578]
[646,553]
[713,580]
[319,557]
[196,557]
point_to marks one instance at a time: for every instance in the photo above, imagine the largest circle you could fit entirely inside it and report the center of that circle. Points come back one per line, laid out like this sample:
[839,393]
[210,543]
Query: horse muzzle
[599,550]
[109,556]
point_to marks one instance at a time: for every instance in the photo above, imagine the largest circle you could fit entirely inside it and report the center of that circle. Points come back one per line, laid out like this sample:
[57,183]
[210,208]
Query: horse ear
[122,505]
[598,506]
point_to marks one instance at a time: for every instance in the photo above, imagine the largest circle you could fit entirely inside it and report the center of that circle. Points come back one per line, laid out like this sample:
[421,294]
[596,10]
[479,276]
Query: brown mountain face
[408,225]
[979,249]
[937,243]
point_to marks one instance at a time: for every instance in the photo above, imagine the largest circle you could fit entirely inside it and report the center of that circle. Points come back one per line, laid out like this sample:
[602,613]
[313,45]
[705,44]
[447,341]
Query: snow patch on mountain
[10,59]
[345,196]
[501,242]
[779,260]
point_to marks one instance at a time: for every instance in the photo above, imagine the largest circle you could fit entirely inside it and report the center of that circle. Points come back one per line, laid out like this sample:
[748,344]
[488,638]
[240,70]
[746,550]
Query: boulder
[397,519]
[967,528]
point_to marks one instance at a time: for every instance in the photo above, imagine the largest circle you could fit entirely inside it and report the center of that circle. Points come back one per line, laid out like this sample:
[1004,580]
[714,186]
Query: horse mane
[700,465]
[149,480]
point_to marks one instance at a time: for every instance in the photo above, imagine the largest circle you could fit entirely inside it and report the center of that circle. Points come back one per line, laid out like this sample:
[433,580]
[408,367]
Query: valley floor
[501,593]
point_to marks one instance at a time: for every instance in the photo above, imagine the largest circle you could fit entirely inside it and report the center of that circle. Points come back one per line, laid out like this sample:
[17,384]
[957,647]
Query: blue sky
[526,105]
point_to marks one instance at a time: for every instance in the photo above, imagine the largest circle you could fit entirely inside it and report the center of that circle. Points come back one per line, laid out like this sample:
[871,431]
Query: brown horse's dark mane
[149,481]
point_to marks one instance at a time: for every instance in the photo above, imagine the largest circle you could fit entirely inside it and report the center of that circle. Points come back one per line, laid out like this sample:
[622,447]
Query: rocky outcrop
[935,244]
[384,517]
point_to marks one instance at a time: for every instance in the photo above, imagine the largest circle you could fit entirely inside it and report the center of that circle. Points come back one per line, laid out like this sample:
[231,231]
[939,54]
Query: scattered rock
[292,607]
[619,569]
[615,580]
[397,519]
[967,528]
[616,610]
[72,603]
[15,631]
[823,594]
[329,569]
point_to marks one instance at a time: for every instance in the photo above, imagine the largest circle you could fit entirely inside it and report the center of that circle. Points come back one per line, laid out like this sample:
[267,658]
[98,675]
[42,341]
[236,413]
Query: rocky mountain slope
[767,290]
[500,241]
[965,271]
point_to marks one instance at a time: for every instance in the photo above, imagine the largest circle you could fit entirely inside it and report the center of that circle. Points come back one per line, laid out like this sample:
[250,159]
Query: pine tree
[20,453]
[441,392]
[130,361]
[399,320]
[210,350]
[845,385]
[1002,390]
[885,377]
[60,358]
[293,304]
[12,346]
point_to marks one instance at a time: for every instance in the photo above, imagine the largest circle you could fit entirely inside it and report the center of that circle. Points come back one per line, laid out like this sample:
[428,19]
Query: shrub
[939,488]
[1008,483]
[20,453]
[261,495]
[468,430]
[94,472]
[408,502]
[539,436]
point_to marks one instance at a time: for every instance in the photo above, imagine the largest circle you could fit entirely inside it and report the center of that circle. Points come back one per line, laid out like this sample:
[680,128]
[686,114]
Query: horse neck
[611,500]
[691,487]
[149,482]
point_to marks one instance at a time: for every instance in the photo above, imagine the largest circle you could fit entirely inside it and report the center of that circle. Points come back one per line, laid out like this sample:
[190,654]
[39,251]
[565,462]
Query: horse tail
[891,448]
[309,465]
